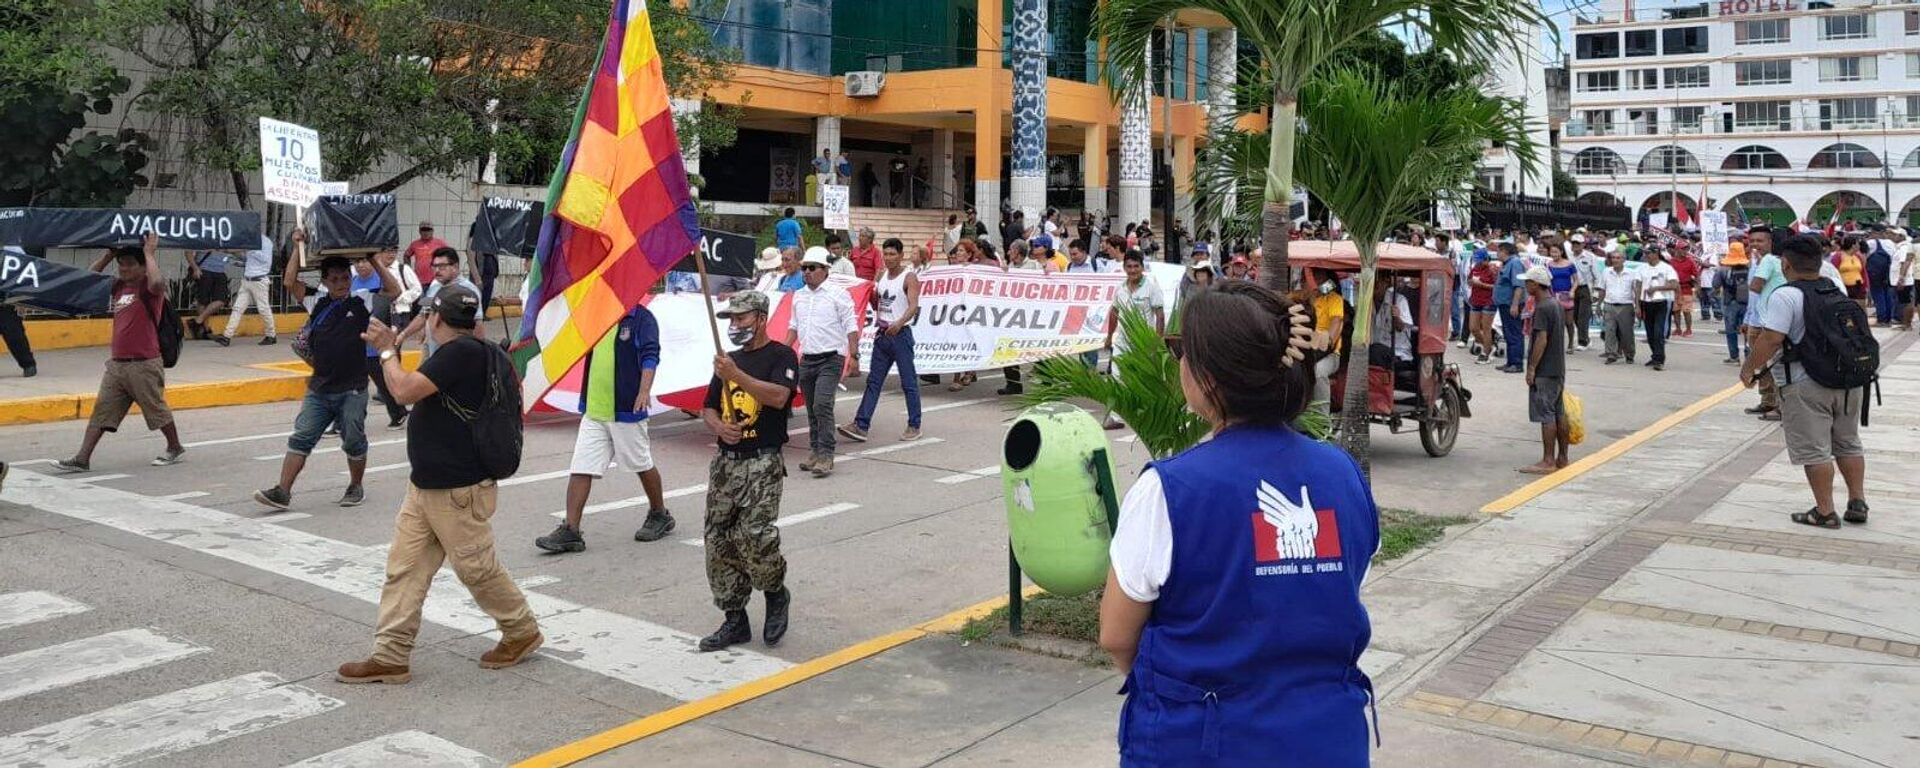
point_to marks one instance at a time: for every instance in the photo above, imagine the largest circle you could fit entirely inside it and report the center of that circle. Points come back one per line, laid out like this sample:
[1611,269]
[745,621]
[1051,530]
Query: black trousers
[15,333]
[395,411]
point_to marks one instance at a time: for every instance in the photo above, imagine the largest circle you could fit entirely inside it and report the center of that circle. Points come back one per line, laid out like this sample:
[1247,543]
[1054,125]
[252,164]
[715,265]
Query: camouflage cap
[742,303]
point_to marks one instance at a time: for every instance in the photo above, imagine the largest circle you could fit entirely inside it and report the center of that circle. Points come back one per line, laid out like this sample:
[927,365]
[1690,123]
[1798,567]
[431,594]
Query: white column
[945,179]
[689,145]
[1136,152]
[1223,72]
[1029,172]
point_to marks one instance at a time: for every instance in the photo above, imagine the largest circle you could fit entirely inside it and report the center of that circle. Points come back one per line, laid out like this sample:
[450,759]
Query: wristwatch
[389,353]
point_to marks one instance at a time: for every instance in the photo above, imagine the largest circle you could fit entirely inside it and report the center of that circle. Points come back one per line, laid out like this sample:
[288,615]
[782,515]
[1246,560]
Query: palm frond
[1145,392]
[1231,170]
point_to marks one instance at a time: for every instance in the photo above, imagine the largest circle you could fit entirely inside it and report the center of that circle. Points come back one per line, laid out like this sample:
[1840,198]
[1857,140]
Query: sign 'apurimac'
[289,163]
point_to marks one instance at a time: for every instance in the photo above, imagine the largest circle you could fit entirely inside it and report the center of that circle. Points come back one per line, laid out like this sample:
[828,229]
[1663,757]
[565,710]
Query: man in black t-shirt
[747,406]
[337,390]
[450,498]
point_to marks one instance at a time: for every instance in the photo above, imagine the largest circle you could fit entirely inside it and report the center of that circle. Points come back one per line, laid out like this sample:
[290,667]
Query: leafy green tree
[1376,153]
[428,87]
[1294,39]
[50,82]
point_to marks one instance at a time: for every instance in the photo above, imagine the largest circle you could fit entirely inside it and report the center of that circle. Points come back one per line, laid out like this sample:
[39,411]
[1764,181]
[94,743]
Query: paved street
[159,613]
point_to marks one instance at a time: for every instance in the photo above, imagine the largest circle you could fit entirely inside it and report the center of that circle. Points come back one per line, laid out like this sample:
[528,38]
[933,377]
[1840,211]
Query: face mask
[740,336]
[1326,287]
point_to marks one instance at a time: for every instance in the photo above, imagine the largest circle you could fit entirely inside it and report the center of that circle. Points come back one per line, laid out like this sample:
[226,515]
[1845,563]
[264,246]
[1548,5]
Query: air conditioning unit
[865,84]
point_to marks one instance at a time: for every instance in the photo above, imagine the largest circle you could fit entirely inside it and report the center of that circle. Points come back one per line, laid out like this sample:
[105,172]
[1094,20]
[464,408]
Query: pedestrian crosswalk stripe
[622,647]
[406,749]
[971,474]
[186,495]
[164,724]
[886,449]
[19,608]
[329,449]
[102,478]
[954,404]
[56,666]
[240,439]
[797,518]
[635,501]
[525,479]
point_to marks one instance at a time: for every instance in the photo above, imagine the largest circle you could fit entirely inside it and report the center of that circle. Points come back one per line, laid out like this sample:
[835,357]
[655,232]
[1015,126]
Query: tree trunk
[1354,437]
[1276,220]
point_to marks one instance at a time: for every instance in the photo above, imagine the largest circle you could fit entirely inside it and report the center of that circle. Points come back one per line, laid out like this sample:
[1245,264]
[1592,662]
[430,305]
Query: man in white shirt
[1587,267]
[1392,321]
[252,289]
[1659,285]
[826,332]
[1619,296]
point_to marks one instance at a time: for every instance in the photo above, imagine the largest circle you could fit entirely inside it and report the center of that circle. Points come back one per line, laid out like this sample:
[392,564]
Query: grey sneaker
[659,523]
[807,466]
[170,458]
[823,466]
[275,497]
[912,434]
[563,539]
[853,432]
[354,495]
[69,465]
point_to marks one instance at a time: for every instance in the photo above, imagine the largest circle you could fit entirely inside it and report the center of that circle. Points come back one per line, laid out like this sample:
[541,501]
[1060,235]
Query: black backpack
[496,426]
[1838,350]
[171,333]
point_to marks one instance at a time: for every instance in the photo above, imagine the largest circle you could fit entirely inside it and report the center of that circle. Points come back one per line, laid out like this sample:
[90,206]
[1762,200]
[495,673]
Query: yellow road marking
[1613,451]
[659,722]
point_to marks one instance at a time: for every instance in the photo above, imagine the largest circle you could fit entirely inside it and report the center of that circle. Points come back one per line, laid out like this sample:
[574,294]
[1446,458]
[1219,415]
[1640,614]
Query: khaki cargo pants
[433,526]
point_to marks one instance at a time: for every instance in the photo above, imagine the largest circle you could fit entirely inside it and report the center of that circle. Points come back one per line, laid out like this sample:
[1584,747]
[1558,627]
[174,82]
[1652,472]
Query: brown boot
[824,466]
[370,671]
[507,654]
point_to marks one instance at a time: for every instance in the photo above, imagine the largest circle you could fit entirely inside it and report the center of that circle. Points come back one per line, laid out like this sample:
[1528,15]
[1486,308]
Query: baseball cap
[1200,265]
[769,259]
[456,304]
[742,303]
[426,225]
[1539,274]
[1579,238]
[817,255]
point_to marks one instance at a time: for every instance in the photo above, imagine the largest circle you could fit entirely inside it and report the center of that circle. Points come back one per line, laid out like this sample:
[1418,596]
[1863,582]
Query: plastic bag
[1576,415]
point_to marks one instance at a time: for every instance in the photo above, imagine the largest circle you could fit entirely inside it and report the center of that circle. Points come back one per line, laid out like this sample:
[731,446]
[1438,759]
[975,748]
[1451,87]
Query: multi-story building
[1774,109]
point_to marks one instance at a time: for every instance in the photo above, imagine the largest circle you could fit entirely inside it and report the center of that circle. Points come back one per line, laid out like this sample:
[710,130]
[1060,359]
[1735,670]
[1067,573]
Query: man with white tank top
[896,302]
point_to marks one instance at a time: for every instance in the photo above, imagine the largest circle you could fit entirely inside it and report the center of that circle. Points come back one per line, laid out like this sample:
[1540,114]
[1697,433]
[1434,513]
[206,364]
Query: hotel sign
[1744,7]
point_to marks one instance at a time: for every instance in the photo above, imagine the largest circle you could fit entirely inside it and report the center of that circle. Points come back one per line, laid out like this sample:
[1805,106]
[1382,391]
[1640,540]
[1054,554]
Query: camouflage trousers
[743,544]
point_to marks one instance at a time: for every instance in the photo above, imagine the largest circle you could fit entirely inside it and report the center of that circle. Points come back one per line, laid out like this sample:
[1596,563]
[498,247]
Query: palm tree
[1377,154]
[1294,39]
[1146,393]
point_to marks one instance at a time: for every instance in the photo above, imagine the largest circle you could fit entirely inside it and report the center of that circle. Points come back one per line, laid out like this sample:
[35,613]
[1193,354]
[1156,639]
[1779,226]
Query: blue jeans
[1458,307]
[1734,311]
[1883,301]
[348,410]
[1510,329]
[890,351]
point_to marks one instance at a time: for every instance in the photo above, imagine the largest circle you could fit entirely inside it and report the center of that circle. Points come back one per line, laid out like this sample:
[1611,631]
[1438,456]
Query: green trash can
[1057,475]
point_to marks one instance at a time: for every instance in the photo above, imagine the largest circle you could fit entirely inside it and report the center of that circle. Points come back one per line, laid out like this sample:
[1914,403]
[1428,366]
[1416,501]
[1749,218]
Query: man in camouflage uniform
[747,406]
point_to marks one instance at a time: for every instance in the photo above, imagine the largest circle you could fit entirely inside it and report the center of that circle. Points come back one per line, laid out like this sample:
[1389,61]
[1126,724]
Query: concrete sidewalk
[1656,609]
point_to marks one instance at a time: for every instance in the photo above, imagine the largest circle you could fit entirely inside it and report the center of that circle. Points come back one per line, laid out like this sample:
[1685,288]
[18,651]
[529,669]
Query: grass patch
[1078,618]
[1072,618]
[1404,530]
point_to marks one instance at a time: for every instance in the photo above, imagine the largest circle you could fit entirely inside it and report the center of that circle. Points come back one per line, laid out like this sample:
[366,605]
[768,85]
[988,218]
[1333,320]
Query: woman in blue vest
[1233,605]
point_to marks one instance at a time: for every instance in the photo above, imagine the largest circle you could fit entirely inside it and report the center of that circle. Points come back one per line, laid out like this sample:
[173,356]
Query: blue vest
[1252,654]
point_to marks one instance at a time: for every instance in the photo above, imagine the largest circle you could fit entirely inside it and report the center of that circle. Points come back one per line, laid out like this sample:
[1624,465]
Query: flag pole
[706,294]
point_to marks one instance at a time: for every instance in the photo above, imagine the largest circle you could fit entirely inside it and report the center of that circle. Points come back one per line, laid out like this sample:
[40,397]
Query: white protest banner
[835,202]
[1713,231]
[976,318]
[1657,220]
[289,163]
[1446,216]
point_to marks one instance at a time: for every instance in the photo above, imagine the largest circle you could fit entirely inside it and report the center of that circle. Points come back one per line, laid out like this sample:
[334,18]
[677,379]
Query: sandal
[1856,511]
[1812,517]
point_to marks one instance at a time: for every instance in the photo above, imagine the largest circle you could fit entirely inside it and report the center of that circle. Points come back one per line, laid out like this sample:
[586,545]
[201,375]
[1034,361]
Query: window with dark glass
[1642,42]
[1683,40]
[1597,45]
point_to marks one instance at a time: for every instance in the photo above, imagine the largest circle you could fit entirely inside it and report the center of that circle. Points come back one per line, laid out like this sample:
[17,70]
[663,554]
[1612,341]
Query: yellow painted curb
[71,333]
[1613,451]
[291,384]
[659,722]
